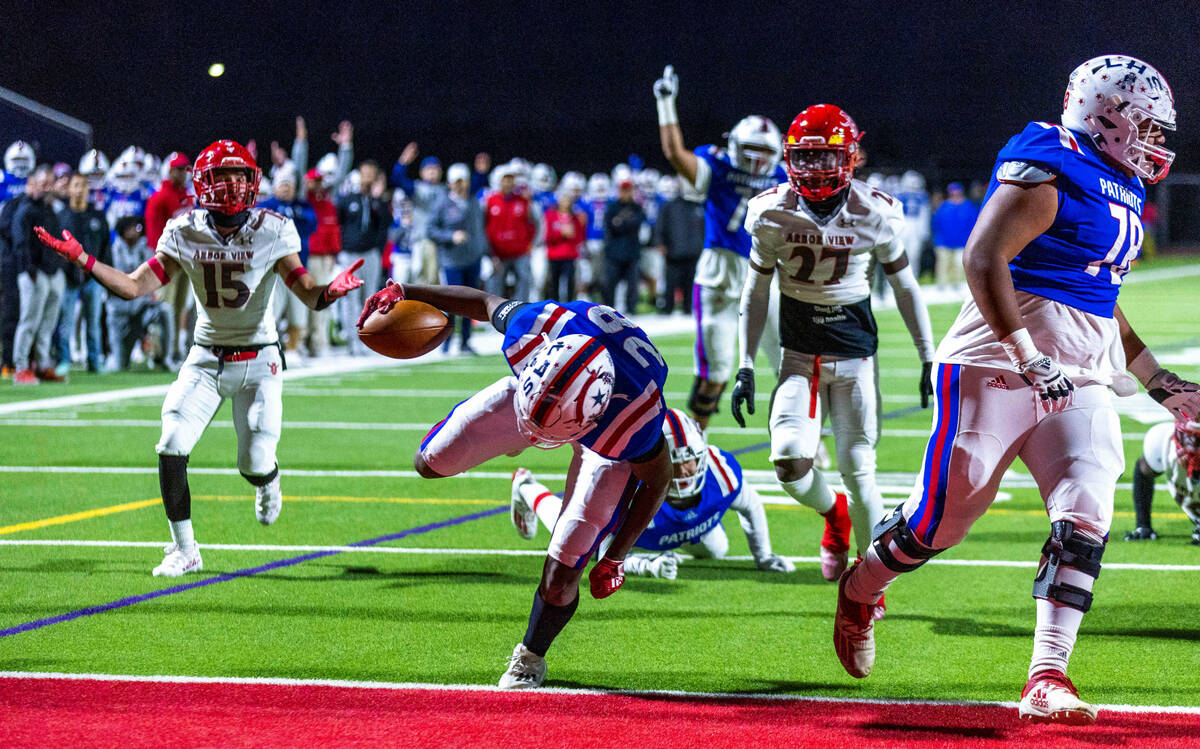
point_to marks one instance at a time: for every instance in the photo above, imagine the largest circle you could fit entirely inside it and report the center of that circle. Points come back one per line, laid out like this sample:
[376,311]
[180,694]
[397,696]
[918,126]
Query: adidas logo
[998,383]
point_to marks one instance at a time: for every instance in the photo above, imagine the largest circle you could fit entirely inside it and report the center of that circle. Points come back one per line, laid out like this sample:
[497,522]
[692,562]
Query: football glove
[925,388]
[743,394]
[606,577]
[775,563]
[665,565]
[667,87]
[68,246]
[1047,379]
[1180,397]
[344,283]
[382,300]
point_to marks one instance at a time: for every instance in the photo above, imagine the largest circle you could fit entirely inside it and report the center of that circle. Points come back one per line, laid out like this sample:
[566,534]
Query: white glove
[665,565]
[1045,376]
[665,90]
[775,563]
[1180,397]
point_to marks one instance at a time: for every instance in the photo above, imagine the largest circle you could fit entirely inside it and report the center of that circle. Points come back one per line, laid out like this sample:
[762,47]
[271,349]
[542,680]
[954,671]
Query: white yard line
[58,543]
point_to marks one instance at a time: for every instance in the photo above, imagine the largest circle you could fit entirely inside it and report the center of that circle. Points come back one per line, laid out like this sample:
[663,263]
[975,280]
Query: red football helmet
[218,192]
[1187,447]
[820,152]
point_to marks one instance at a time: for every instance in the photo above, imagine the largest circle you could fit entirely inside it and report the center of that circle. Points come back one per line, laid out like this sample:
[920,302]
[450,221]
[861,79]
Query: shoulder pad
[1044,144]
[1023,172]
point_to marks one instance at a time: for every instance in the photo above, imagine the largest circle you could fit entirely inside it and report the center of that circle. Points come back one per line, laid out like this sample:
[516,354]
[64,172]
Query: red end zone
[64,712]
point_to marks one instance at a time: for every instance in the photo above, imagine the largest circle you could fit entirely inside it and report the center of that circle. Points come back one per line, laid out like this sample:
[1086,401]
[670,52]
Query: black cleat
[1141,533]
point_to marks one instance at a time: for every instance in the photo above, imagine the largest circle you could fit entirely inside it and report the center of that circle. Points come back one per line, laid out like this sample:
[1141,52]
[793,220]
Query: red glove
[382,300]
[68,246]
[607,577]
[344,283]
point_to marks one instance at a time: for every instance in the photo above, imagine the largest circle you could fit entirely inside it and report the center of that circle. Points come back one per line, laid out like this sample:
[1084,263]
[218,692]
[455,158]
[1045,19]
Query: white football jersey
[232,279]
[825,262]
[1158,449]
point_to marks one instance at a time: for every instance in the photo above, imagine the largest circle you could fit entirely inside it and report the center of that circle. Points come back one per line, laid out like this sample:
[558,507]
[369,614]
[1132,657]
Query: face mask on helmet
[563,390]
[19,159]
[754,145]
[1123,105]
[689,454]
[226,178]
[1187,448]
[820,152]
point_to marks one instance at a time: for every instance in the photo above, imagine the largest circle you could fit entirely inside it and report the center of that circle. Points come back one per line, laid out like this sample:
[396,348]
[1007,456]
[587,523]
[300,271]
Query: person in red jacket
[324,244]
[509,224]
[566,230]
[172,197]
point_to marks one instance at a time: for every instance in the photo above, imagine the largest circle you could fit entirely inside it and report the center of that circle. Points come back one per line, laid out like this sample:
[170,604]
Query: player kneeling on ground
[1173,449]
[707,482]
[228,250]
[583,375]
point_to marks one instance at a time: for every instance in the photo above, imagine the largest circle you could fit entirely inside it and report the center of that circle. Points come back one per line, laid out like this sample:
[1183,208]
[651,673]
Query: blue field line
[279,564]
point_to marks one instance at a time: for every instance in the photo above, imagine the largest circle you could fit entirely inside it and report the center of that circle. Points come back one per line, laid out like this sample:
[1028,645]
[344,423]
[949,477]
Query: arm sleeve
[756,293]
[703,174]
[344,163]
[300,161]
[754,522]
[913,311]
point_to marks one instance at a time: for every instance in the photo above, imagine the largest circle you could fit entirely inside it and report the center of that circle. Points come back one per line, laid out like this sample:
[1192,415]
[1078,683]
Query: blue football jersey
[594,210]
[729,193]
[632,423]
[10,186]
[120,204]
[1080,259]
[915,203]
[671,527]
[546,200]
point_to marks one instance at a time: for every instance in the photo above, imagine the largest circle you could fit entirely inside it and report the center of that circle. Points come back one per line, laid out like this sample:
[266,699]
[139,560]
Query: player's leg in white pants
[255,388]
[478,429]
[852,396]
[797,411]
[720,275]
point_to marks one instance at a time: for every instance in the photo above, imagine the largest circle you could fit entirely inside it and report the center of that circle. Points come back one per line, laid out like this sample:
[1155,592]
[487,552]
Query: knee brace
[1066,548]
[895,531]
[700,404]
[261,480]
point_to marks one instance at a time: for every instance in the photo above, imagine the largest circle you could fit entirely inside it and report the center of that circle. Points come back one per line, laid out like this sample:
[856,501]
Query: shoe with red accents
[880,610]
[25,377]
[835,543]
[179,561]
[1050,697]
[524,519]
[854,631]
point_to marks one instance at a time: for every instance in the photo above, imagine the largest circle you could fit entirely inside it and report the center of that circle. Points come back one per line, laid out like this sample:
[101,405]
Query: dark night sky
[941,87]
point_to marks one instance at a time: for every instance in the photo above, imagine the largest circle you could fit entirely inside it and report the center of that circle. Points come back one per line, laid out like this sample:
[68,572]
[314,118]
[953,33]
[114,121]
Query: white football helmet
[327,166]
[667,187]
[620,173]
[151,168]
[749,139]
[126,173]
[19,159]
[598,186]
[573,183]
[93,164]
[563,390]
[912,181]
[689,454]
[542,178]
[1114,100]
[875,180]
[519,168]
[646,181]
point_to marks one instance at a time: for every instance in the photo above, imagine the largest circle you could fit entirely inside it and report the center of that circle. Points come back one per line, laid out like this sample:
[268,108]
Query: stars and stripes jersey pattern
[673,527]
[727,193]
[233,279]
[632,423]
[1097,233]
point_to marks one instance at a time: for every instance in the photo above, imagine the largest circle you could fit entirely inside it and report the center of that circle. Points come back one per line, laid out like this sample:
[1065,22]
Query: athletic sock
[173,483]
[1143,496]
[837,526]
[181,533]
[871,576]
[546,504]
[810,490]
[1054,636]
[545,622]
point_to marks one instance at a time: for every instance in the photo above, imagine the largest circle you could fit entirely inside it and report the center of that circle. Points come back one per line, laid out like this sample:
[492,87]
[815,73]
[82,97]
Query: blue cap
[954,187]
[430,161]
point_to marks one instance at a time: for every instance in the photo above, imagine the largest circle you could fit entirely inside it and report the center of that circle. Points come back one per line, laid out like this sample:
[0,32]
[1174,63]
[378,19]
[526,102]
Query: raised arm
[146,278]
[463,301]
[669,132]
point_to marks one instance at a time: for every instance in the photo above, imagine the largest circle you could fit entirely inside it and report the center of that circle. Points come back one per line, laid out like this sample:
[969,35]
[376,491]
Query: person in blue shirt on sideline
[952,224]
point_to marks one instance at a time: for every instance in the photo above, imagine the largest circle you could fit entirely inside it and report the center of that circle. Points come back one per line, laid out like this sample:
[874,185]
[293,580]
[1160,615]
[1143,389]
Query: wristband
[323,300]
[1144,367]
[1019,347]
[666,112]
[159,272]
[87,264]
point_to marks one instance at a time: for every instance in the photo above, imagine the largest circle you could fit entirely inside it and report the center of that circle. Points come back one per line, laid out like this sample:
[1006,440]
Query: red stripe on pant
[813,385]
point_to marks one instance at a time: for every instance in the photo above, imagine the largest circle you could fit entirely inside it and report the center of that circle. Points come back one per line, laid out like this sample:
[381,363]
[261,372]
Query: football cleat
[268,501]
[835,543]
[25,377]
[179,561]
[1050,697]
[853,632]
[1141,533]
[833,564]
[526,669]
[524,519]
[880,609]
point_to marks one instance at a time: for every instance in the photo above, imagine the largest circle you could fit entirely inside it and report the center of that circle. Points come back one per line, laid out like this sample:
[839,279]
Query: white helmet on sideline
[19,159]
[598,186]
[755,145]
[542,178]
[563,390]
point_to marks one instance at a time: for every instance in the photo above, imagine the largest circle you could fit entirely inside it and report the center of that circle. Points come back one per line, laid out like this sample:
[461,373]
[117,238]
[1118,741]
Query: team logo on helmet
[563,390]
[689,454]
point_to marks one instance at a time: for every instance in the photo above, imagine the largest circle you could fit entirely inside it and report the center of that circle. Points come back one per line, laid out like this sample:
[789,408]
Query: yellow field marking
[337,498]
[60,519]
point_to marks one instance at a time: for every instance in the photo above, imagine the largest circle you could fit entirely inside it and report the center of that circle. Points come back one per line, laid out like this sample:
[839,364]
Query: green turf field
[397,612]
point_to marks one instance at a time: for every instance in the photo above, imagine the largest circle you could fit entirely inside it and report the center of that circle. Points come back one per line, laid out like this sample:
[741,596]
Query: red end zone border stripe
[61,709]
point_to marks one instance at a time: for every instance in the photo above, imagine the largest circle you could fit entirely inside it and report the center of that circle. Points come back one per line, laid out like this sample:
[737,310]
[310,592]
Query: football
[409,330]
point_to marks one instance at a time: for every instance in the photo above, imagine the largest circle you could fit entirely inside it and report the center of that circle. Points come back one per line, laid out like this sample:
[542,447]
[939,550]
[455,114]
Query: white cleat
[1050,697]
[526,669]
[268,501]
[179,561]
[524,519]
